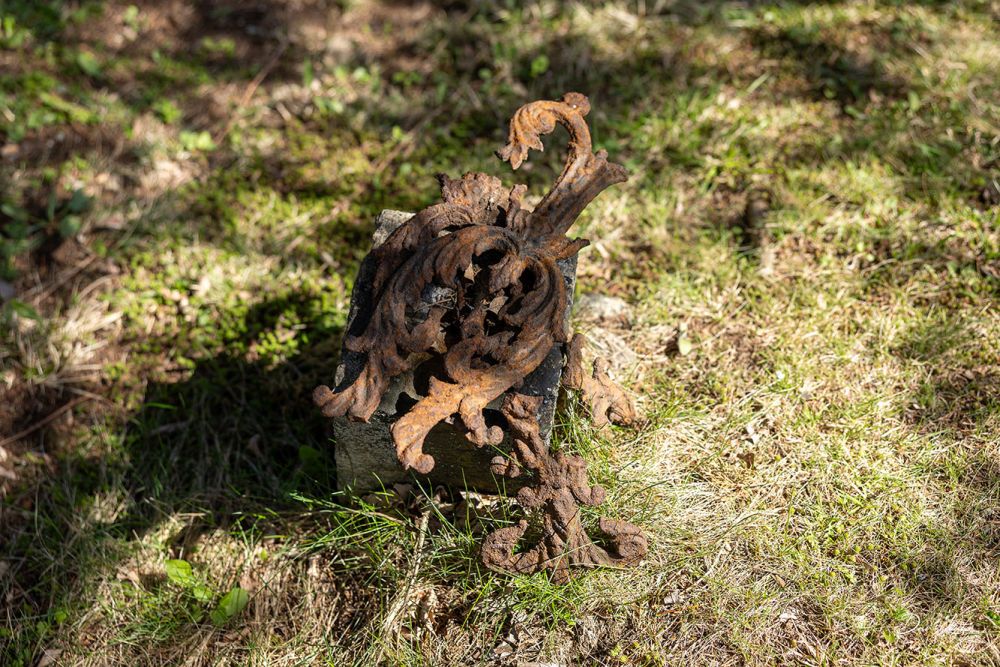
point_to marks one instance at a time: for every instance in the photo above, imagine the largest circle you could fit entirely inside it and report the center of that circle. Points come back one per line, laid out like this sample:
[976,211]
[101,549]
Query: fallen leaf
[747,458]
[202,286]
[49,657]
[673,598]
[684,345]
[788,615]
[253,446]
[129,574]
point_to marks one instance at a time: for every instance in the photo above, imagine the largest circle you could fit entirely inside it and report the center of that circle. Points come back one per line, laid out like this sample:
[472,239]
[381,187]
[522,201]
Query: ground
[808,247]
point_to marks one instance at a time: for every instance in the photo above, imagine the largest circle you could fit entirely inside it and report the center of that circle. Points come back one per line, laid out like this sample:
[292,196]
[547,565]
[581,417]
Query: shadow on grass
[175,51]
[229,444]
[960,386]
[955,400]
[831,70]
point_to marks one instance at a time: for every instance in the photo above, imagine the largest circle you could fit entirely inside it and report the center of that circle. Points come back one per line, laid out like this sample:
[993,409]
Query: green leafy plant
[539,66]
[229,606]
[179,572]
[131,17]
[196,141]
[21,309]
[168,112]
[23,230]
[88,62]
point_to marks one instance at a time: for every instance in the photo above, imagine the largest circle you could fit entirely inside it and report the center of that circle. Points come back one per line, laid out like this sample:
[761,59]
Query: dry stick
[252,88]
[62,279]
[45,420]
[391,624]
[97,397]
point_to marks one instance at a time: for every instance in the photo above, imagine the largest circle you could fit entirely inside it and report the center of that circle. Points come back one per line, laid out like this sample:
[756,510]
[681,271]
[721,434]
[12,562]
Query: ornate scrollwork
[499,310]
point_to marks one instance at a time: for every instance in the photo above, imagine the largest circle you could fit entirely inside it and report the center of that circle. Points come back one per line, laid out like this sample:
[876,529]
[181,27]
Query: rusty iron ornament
[607,402]
[498,307]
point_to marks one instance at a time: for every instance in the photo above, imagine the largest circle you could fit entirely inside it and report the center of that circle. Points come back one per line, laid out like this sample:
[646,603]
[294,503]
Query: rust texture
[607,402]
[469,290]
[562,488]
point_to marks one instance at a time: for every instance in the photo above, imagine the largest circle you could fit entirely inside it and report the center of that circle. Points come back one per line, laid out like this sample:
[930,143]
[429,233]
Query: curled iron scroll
[495,259]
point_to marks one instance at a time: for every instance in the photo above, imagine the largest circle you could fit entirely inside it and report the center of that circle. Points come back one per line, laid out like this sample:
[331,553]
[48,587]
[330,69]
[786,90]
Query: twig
[391,624]
[97,397]
[63,279]
[251,88]
[45,420]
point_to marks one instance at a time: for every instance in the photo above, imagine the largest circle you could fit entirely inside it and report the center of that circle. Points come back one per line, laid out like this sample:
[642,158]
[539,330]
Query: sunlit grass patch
[808,246]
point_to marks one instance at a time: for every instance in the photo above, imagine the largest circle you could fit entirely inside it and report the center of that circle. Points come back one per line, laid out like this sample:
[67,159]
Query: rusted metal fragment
[562,488]
[469,290]
[502,314]
[607,402]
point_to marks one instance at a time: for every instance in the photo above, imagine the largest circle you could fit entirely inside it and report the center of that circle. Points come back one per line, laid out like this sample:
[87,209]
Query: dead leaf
[674,598]
[788,615]
[253,446]
[129,574]
[747,458]
[684,345]
[49,657]
[202,286]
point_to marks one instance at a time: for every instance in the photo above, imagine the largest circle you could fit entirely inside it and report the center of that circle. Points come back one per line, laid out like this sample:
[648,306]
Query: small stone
[602,309]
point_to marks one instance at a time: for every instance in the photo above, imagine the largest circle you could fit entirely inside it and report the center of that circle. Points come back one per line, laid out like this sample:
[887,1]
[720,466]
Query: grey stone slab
[364,452]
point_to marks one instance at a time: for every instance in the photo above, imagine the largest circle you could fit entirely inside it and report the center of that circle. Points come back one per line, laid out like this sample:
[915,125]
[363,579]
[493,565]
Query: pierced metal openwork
[498,308]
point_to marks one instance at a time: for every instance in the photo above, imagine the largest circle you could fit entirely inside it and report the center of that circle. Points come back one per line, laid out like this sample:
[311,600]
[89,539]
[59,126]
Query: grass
[186,190]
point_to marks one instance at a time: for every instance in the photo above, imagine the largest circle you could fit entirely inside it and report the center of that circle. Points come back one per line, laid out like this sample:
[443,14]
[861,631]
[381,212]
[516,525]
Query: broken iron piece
[470,291]
[607,402]
[562,488]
